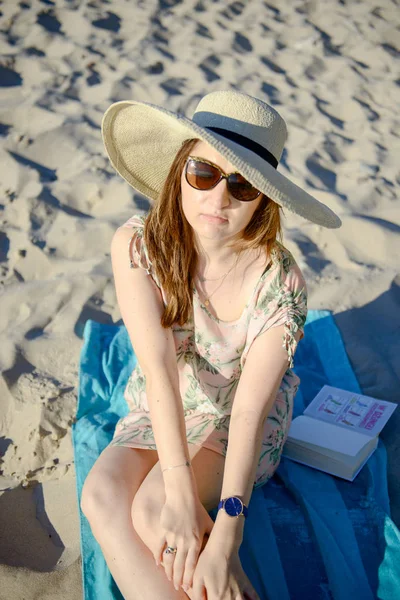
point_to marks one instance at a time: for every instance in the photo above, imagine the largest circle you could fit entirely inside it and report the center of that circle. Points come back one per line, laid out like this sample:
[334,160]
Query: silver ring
[170,550]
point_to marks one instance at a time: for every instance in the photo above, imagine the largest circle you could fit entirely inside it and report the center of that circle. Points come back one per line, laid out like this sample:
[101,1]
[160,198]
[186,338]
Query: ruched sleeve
[137,252]
[283,301]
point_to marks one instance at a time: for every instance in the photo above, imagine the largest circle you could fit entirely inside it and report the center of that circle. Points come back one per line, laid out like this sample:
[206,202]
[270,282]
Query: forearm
[244,449]
[253,402]
[167,418]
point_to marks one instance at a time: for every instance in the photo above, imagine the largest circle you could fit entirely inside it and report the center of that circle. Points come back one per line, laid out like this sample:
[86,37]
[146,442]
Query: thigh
[208,468]
[116,476]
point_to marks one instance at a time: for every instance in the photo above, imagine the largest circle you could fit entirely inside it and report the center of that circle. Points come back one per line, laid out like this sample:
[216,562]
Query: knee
[144,514]
[101,494]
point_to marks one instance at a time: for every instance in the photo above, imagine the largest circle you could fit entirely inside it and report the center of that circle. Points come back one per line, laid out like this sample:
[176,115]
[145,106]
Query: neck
[214,255]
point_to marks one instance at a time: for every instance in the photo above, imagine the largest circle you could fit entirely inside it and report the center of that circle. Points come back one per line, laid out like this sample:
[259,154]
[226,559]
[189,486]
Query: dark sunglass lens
[201,175]
[241,189]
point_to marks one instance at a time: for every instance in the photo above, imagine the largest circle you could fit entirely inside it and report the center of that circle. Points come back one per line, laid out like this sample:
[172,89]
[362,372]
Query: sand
[328,67]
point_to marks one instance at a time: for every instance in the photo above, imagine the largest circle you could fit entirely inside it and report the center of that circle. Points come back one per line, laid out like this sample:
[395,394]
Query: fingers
[199,590]
[159,550]
[168,561]
[191,563]
[190,566]
[180,567]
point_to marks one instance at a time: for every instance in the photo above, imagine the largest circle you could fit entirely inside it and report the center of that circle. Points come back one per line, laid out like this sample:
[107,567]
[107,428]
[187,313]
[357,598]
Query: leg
[107,499]
[208,467]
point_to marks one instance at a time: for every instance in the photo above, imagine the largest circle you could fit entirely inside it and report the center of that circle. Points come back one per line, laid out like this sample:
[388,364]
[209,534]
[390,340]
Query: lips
[214,218]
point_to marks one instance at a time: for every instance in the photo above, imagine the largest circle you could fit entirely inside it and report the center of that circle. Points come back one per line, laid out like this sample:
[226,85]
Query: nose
[219,195]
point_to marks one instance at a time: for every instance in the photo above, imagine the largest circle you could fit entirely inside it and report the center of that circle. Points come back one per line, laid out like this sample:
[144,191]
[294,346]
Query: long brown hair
[171,244]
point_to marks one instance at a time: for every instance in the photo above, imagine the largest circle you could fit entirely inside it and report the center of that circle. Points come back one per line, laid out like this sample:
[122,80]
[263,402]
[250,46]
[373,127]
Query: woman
[198,280]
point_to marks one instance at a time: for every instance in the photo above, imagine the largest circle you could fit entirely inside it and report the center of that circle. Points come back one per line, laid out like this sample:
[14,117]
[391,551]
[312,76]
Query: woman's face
[203,207]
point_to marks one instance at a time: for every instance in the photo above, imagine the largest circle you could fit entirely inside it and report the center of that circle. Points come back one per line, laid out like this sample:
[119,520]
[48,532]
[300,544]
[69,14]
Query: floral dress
[211,355]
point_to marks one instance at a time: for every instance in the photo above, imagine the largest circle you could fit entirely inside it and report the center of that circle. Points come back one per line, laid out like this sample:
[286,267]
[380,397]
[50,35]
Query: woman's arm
[259,383]
[141,307]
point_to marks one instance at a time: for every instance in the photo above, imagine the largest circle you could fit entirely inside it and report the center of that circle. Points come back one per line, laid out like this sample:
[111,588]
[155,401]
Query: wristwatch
[233,507]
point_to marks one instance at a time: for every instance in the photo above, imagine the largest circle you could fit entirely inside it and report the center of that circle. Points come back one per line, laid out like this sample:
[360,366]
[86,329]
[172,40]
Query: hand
[219,576]
[184,522]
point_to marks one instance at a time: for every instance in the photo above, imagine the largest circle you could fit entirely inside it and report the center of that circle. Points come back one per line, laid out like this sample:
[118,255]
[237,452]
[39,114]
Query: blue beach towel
[309,535]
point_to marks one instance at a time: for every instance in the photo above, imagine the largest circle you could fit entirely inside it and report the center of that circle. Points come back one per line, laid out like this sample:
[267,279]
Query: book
[338,432]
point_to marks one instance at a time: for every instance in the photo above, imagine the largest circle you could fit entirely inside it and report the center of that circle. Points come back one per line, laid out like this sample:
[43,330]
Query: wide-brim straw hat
[142,139]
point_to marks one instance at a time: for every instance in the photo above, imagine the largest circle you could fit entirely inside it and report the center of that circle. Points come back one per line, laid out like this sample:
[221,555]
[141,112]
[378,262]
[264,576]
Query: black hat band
[247,143]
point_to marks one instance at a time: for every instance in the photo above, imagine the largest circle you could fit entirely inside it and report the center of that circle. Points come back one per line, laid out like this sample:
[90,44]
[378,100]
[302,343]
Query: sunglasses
[202,174]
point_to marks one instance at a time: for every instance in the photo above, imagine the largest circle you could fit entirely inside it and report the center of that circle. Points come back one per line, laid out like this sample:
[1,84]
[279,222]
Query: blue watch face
[233,507]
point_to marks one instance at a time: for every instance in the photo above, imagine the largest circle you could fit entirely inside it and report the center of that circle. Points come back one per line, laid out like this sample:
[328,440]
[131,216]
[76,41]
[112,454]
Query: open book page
[350,410]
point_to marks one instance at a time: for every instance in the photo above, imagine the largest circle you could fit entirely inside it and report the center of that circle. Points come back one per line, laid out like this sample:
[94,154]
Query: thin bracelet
[186,464]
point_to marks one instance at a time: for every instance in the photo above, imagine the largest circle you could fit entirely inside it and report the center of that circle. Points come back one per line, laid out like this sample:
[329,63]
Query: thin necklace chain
[207,299]
[218,278]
